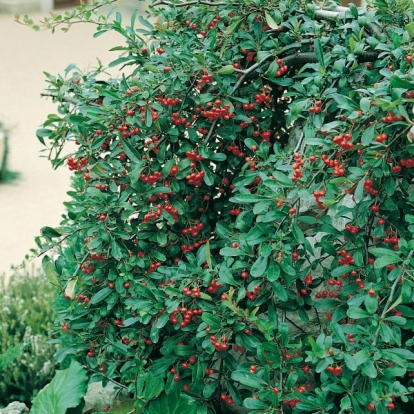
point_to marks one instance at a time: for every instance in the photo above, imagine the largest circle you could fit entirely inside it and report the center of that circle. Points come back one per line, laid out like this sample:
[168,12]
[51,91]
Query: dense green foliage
[26,318]
[241,221]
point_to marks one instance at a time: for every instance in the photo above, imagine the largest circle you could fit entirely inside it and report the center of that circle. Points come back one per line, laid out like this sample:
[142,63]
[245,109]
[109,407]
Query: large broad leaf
[66,390]
[172,403]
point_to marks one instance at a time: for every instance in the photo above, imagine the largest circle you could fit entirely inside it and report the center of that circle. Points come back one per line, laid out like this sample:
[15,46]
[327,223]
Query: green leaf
[397,82]
[226,70]
[173,403]
[368,135]
[298,234]
[259,267]
[100,295]
[350,362]
[383,261]
[254,404]
[248,379]
[66,390]
[130,151]
[369,369]
[361,356]
[271,22]
[208,175]
[153,387]
[282,179]
[319,52]
[50,272]
[371,303]
[410,28]
[357,313]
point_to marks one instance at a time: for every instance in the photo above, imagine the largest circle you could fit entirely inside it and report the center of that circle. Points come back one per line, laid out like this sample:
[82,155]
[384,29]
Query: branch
[300,59]
[65,98]
[188,3]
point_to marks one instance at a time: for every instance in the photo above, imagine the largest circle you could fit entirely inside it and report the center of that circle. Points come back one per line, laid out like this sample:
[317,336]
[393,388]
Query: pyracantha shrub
[241,221]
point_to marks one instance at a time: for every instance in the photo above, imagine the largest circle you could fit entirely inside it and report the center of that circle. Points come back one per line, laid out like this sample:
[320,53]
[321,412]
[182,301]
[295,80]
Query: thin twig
[390,299]
[65,98]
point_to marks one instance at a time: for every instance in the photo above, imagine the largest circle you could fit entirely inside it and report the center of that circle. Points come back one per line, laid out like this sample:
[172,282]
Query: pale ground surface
[36,198]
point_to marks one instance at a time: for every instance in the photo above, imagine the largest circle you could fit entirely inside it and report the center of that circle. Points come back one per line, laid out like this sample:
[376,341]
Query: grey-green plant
[26,319]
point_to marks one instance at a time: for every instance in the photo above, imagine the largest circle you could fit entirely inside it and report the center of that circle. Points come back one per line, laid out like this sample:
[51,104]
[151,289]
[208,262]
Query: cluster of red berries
[317,109]
[106,144]
[126,340]
[129,92]
[219,345]
[162,196]
[195,178]
[188,248]
[262,98]
[292,402]
[392,240]
[149,141]
[252,295]
[77,165]
[205,79]
[151,179]
[335,164]
[336,371]
[194,231]
[65,327]
[234,211]
[250,56]
[409,95]
[265,135]
[174,170]
[227,399]
[235,150]
[297,165]
[87,268]
[308,280]
[152,267]
[282,68]
[318,195]
[193,156]
[167,283]
[169,101]
[352,229]
[368,187]
[101,216]
[381,138]
[125,133]
[187,316]
[213,287]
[218,112]
[343,141]
[149,216]
[408,163]
[172,211]
[195,292]
[248,107]
[346,259]
[391,118]
[102,187]
[176,120]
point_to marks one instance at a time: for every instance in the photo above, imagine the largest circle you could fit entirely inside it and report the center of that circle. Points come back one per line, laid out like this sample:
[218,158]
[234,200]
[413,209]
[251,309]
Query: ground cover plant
[26,323]
[239,233]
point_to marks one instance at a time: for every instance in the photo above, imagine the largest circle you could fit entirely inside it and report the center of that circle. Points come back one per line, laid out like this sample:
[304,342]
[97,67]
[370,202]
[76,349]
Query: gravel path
[36,198]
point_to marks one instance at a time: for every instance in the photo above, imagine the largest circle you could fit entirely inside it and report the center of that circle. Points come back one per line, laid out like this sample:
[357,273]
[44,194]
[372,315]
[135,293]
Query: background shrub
[26,321]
